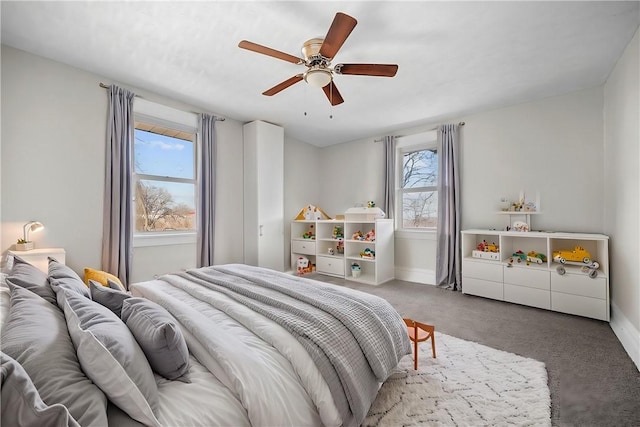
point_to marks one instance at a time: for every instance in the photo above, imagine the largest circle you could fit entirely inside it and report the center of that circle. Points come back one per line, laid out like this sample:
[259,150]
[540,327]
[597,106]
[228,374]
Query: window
[164,178]
[164,174]
[417,201]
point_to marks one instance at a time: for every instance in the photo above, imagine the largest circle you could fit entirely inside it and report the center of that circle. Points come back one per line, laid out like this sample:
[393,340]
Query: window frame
[404,145]
[156,114]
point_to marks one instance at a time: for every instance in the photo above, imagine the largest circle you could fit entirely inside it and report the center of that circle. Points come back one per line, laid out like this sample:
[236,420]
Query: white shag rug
[468,384]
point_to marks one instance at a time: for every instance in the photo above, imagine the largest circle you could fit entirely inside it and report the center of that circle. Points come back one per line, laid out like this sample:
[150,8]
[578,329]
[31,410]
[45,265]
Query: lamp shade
[31,226]
[318,77]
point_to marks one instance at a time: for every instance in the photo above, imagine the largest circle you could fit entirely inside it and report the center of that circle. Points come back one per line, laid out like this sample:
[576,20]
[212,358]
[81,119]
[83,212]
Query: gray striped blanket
[355,339]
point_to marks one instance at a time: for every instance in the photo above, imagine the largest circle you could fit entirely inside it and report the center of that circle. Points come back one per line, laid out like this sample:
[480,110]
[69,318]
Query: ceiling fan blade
[340,29]
[244,44]
[380,70]
[282,86]
[332,93]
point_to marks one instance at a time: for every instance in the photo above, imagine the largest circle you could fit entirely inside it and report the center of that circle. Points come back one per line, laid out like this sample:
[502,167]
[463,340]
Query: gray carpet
[593,381]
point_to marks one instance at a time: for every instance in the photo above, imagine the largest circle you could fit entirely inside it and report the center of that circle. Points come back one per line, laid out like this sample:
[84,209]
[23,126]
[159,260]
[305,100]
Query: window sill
[416,234]
[163,239]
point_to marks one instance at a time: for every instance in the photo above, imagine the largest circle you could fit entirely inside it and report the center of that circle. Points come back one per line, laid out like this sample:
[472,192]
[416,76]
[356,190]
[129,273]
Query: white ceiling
[454,58]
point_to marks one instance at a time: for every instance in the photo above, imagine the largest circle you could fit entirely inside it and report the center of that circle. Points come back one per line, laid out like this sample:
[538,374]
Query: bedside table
[38,257]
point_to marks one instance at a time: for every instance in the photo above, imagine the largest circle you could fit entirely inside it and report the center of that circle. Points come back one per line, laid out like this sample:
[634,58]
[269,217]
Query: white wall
[351,174]
[301,184]
[53,151]
[622,195]
[52,161]
[552,146]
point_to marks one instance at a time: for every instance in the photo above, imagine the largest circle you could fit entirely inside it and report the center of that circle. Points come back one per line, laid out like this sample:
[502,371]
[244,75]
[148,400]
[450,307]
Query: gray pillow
[62,276]
[110,298]
[114,285]
[29,277]
[111,357]
[159,336]
[36,336]
[21,403]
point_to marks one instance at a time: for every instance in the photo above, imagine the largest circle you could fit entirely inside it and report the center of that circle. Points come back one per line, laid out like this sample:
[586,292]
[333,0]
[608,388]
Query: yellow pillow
[100,277]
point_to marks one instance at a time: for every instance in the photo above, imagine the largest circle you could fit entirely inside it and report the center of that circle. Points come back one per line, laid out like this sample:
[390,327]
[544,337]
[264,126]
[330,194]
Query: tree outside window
[165,182]
[418,188]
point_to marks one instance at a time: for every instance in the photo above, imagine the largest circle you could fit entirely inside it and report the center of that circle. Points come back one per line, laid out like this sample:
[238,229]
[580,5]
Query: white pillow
[111,357]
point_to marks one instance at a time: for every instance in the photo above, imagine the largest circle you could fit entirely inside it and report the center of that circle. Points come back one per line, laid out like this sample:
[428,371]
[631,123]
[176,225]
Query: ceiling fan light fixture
[318,77]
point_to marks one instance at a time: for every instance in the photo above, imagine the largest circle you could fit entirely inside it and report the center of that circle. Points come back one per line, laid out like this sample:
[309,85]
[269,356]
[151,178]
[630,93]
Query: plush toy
[357,235]
[370,236]
[304,266]
[368,253]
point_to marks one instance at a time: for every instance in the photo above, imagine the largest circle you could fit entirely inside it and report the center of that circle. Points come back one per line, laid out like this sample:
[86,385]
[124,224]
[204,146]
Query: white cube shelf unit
[323,250]
[541,285]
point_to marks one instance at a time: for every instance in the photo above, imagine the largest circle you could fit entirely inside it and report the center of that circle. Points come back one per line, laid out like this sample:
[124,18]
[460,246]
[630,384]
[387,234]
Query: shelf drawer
[529,277]
[578,284]
[306,247]
[330,265]
[527,296]
[579,305]
[482,270]
[482,288]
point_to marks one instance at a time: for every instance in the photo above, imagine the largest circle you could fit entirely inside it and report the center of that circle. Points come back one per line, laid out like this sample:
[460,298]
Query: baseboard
[628,335]
[417,275]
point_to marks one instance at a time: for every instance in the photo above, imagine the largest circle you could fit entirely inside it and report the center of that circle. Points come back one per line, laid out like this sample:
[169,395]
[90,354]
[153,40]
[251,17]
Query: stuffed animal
[370,236]
[357,235]
[304,266]
[368,253]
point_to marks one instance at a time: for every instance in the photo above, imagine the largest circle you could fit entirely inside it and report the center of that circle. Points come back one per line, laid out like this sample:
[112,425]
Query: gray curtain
[117,232]
[389,175]
[206,191]
[448,268]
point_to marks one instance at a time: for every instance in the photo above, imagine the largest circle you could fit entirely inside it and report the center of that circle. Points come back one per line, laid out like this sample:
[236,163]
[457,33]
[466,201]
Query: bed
[222,345]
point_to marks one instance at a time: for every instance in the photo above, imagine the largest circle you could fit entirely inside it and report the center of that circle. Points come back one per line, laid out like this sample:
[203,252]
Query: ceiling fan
[318,53]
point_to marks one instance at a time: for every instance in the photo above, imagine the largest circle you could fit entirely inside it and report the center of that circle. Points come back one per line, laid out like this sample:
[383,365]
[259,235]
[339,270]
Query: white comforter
[269,377]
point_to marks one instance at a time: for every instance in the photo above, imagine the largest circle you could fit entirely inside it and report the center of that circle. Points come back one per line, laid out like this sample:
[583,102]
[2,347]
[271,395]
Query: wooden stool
[419,332]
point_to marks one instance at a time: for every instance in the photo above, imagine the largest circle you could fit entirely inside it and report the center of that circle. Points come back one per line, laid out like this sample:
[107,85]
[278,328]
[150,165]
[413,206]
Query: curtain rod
[428,130]
[216,118]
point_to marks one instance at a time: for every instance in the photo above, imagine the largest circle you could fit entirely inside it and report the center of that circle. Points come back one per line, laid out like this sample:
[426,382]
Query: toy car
[491,247]
[578,254]
[519,256]
[487,247]
[536,257]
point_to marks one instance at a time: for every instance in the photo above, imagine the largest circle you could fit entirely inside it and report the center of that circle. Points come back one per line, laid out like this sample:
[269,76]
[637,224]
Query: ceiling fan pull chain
[331,100]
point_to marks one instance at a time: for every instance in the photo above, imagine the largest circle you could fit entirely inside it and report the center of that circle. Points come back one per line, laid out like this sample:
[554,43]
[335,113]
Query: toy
[370,236]
[488,247]
[311,213]
[309,234]
[536,257]
[368,253]
[357,235]
[340,246]
[519,256]
[304,266]
[355,269]
[578,254]
[338,232]
[520,226]
[371,204]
